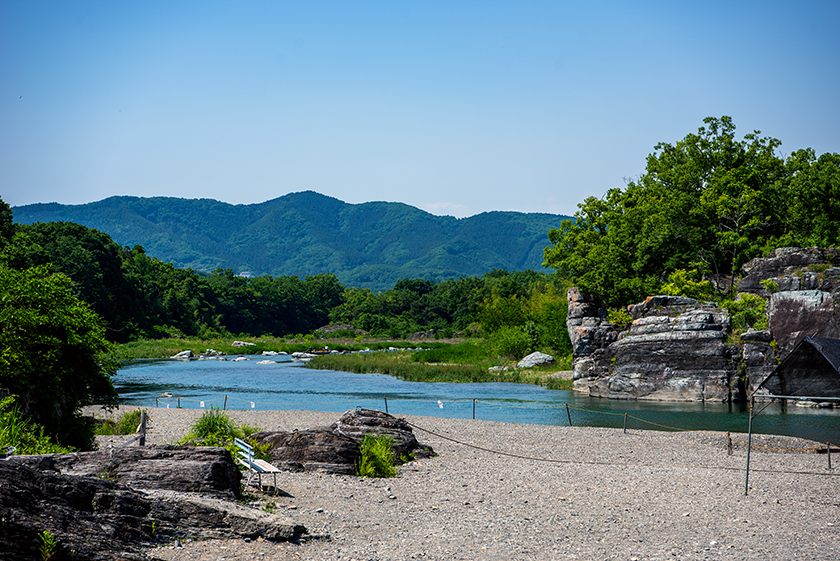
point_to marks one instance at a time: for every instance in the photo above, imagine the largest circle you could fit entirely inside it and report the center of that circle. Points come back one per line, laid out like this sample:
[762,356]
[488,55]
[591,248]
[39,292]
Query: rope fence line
[611,464]
[177,399]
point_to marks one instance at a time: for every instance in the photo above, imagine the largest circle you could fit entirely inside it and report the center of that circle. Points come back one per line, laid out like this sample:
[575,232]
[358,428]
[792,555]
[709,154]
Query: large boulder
[193,469]
[96,518]
[535,359]
[335,449]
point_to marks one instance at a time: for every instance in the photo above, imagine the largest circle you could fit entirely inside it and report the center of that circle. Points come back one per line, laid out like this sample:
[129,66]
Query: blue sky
[454,107]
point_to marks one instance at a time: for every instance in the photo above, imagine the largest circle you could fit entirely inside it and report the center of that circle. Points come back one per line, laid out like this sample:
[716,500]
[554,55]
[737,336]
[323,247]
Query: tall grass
[22,434]
[126,423]
[377,457]
[402,365]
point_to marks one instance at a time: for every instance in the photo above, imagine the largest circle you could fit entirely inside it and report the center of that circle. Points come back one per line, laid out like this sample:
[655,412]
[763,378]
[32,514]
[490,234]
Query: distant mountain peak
[367,245]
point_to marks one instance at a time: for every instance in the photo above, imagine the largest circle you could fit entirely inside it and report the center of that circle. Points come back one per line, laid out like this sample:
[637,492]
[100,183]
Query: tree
[709,202]
[53,352]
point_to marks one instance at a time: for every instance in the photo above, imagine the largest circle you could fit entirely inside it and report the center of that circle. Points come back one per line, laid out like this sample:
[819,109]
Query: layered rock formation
[803,289]
[675,350]
[85,502]
[680,349]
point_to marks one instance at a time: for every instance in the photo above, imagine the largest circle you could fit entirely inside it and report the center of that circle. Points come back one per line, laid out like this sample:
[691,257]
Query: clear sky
[456,107]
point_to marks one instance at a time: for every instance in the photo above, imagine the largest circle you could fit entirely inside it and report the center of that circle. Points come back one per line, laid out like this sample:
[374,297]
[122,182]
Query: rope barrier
[602,463]
[567,407]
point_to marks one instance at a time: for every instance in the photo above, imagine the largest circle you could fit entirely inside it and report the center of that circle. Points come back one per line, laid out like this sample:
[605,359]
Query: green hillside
[368,245]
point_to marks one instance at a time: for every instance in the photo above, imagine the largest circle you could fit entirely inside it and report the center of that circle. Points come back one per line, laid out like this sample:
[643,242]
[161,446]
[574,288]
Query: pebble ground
[500,491]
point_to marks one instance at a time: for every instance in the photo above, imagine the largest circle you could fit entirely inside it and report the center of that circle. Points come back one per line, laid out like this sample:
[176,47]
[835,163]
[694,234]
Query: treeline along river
[288,385]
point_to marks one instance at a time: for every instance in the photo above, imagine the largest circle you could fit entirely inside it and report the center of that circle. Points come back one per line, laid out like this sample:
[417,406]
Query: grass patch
[440,365]
[22,434]
[126,423]
[165,348]
[215,428]
[377,457]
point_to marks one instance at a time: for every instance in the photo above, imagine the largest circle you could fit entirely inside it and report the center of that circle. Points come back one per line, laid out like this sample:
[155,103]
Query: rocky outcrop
[335,449]
[589,332]
[792,269]
[191,469]
[797,313]
[803,289]
[96,518]
[675,350]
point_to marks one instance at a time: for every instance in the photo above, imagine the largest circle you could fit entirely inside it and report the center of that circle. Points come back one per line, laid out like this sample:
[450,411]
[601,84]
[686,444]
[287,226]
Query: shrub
[127,423]
[621,317]
[22,434]
[747,311]
[510,342]
[682,283]
[377,457]
[212,423]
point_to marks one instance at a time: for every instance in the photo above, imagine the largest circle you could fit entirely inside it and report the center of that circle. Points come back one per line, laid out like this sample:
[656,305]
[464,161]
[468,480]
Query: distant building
[246,274]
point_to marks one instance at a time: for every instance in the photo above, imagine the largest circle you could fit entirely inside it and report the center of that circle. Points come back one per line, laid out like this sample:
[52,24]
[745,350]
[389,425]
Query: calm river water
[288,385]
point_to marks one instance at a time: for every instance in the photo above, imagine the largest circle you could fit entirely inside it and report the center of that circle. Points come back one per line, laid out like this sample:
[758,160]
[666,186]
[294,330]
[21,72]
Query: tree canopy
[708,203]
[53,352]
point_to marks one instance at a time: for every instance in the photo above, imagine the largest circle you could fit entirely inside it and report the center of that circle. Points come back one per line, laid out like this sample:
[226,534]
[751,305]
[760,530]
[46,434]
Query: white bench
[255,466]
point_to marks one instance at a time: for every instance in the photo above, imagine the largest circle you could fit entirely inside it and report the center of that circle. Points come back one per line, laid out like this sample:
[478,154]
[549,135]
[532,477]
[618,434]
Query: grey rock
[97,519]
[335,449]
[203,469]
[795,314]
[535,359]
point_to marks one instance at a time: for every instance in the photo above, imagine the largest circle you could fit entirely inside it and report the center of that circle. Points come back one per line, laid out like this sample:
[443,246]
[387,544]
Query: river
[289,386]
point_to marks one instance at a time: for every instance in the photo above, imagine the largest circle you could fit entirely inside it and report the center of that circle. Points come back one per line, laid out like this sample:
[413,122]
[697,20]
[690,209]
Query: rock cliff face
[679,349]
[803,289]
[675,350]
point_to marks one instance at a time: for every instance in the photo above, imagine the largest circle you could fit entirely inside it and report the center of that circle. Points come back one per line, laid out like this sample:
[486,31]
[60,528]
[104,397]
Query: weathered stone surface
[675,350]
[97,519]
[318,449]
[178,468]
[535,359]
[589,331]
[791,268]
[795,314]
[335,449]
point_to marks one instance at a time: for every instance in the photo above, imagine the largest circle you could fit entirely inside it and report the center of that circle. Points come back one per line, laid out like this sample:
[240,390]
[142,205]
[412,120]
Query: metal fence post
[143,427]
[386,403]
[569,415]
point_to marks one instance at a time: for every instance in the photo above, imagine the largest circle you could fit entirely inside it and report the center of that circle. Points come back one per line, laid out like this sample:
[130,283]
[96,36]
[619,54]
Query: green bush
[747,311]
[621,317]
[22,434]
[510,342]
[126,423]
[212,423]
[377,457]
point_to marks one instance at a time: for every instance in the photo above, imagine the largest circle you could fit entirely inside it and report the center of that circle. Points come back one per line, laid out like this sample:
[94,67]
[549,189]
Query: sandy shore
[501,491]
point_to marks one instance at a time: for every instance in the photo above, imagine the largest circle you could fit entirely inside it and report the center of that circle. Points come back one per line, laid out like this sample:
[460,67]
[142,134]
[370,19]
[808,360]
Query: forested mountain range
[367,245]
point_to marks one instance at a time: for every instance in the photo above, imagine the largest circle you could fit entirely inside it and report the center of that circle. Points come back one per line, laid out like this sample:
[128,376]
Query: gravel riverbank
[505,491]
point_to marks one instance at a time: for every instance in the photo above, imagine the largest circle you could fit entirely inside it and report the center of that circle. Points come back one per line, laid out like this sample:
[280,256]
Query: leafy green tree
[53,352]
[708,202]
[7,226]
[812,216]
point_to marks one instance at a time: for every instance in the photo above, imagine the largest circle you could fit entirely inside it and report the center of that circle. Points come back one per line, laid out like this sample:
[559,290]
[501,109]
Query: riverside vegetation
[703,207]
